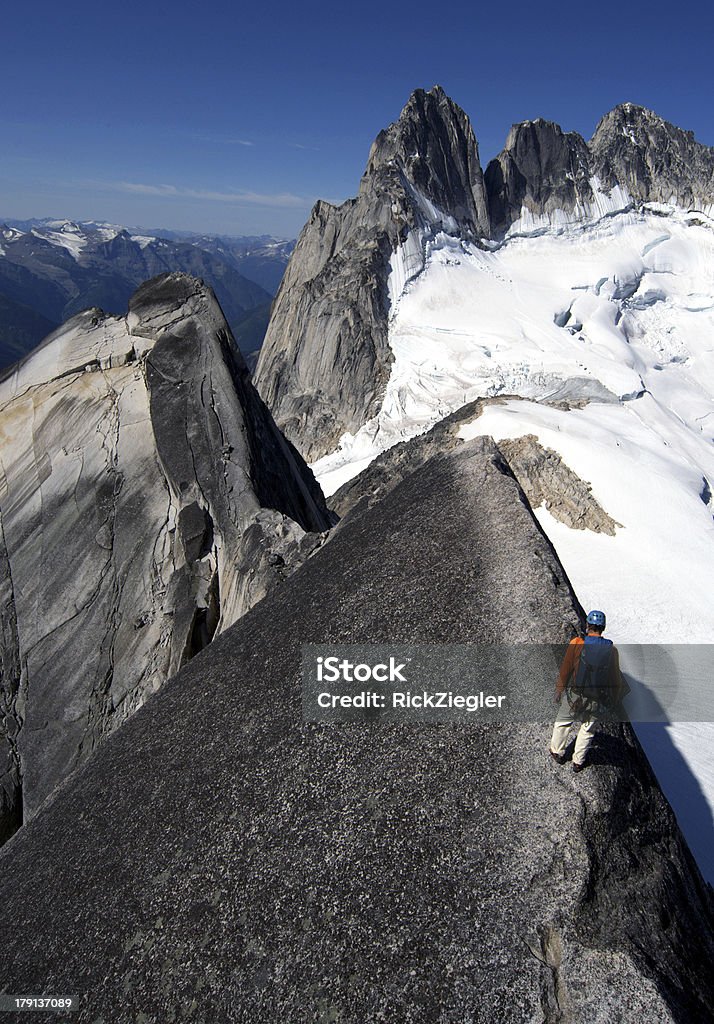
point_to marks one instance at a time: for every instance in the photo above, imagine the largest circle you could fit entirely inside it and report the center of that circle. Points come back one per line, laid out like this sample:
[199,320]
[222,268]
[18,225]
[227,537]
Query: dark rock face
[542,168]
[545,170]
[227,862]
[432,149]
[147,500]
[325,360]
[653,159]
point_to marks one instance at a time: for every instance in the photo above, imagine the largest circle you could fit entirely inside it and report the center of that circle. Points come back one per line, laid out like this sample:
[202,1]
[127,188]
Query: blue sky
[231,118]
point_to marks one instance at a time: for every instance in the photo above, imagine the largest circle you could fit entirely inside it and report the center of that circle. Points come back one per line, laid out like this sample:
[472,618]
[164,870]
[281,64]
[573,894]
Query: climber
[591,680]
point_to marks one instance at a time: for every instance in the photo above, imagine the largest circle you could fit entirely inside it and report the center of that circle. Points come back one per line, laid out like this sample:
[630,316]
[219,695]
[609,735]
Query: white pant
[586,733]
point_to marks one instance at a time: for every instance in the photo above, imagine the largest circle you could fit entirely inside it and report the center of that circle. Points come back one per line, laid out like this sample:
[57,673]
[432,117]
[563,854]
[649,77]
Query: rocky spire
[654,160]
[325,360]
[147,500]
[431,153]
[541,168]
[633,157]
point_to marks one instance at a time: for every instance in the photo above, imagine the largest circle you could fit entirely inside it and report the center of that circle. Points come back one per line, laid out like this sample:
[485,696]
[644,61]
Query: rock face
[325,359]
[651,158]
[633,157]
[431,154]
[239,865]
[541,168]
[147,500]
[546,479]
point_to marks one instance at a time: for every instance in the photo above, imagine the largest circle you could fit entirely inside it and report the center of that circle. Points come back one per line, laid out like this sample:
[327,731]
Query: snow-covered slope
[626,303]
[607,330]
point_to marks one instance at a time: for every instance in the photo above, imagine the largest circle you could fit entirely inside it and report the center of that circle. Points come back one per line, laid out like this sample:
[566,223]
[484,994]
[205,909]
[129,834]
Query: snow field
[626,304]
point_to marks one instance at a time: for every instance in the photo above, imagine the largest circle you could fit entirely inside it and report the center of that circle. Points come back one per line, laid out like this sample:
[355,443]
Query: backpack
[592,680]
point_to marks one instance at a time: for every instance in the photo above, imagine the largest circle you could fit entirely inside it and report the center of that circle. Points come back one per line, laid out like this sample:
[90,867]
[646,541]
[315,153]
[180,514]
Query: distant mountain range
[52,269]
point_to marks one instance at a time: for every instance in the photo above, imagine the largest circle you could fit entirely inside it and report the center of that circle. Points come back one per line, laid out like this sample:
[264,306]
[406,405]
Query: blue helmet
[596,618]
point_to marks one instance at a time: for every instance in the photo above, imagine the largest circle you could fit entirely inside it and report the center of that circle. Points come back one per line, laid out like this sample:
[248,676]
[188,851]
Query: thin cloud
[299,145]
[279,199]
[214,137]
[222,140]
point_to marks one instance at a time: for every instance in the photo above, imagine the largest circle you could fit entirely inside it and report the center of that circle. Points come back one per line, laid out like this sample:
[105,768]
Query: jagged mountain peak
[642,127]
[545,175]
[329,321]
[634,115]
[420,98]
[432,150]
[541,168]
[536,128]
[651,158]
[423,112]
[423,104]
[326,359]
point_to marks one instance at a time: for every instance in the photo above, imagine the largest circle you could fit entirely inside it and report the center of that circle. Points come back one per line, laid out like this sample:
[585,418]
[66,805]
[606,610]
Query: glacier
[597,337]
